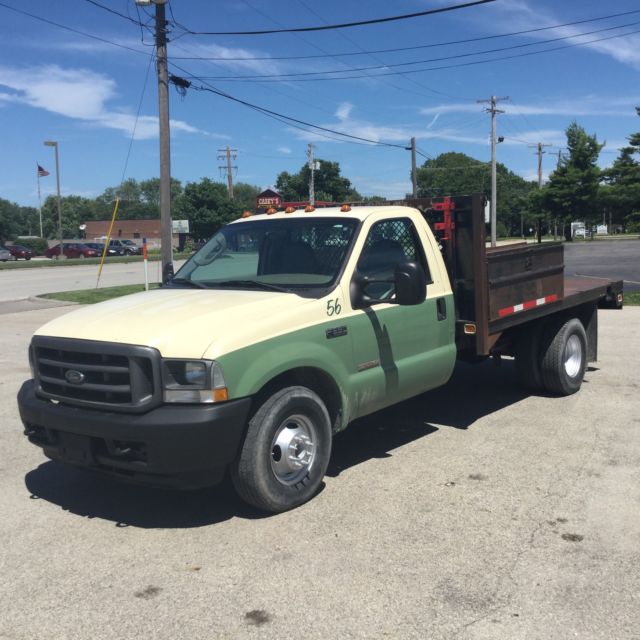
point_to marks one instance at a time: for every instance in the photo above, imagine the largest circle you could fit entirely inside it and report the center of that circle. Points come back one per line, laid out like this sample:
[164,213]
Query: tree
[620,195]
[244,195]
[329,184]
[207,206]
[572,190]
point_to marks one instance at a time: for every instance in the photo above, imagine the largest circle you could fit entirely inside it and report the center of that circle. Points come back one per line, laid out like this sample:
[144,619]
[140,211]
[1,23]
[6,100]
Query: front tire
[285,452]
[564,357]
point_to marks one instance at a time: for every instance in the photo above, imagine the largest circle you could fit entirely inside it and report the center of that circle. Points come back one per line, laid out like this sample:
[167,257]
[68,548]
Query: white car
[5,254]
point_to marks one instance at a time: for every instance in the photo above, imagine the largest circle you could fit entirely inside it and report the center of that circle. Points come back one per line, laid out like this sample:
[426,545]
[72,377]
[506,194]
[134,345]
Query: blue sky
[59,85]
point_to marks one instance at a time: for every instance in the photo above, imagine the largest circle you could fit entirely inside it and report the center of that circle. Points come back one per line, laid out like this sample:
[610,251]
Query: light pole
[54,144]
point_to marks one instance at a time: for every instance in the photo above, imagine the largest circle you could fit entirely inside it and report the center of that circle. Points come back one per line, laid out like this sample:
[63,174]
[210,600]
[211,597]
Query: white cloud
[285,150]
[520,15]
[344,110]
[80,94]
[580,106]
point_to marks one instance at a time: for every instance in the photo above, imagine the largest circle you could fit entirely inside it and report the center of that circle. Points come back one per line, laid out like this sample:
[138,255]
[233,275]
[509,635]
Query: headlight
[193,381]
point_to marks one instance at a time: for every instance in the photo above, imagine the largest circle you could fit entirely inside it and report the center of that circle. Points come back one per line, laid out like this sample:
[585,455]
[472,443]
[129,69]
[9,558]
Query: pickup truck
[284,328]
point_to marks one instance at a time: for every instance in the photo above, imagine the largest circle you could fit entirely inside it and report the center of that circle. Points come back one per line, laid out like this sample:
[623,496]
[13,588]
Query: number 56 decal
[333,307]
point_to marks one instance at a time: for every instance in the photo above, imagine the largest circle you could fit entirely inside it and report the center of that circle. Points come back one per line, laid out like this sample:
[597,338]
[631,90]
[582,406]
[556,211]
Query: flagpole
[39,198]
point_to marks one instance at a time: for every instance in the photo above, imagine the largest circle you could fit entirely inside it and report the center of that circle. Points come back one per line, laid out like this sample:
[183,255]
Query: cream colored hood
[183,323]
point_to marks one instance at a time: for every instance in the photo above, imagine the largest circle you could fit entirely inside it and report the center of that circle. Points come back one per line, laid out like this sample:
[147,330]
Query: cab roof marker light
[309,208]
[290,210]
[246,214]
[345,207]
[271,211]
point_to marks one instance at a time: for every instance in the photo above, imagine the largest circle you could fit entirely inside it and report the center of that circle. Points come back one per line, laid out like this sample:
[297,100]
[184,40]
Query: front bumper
[181,446]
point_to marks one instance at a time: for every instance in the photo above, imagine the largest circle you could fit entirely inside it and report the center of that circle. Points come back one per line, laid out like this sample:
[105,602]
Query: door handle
[441,308]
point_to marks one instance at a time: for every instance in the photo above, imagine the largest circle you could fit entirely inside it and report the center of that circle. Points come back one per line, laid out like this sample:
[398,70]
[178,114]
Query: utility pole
[227,155]
[414,177]
[493,110]
[540,152]
[559,158]
[165,151]
[312,168]
[54,144]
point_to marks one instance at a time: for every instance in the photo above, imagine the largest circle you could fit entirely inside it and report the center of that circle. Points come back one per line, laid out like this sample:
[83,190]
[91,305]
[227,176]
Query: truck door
[399,351]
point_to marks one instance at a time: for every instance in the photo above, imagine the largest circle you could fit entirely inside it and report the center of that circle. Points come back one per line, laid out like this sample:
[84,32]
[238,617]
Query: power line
[72,30]
[423,46]
[210,88]
[113,11]
[343,25]
[450,66]
[307,74]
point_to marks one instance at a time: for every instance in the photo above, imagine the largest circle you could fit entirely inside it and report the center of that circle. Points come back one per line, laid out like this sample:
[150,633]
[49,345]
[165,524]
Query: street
[614,260]
[473,511]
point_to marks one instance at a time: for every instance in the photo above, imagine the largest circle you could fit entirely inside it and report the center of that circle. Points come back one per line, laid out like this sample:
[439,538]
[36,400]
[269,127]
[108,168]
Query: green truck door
[398,351]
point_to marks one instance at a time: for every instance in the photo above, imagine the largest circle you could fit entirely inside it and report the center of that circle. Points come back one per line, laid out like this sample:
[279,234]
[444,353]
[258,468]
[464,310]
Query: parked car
[20,251]
[129,247]
[72,250]
[99,247]
[5,254]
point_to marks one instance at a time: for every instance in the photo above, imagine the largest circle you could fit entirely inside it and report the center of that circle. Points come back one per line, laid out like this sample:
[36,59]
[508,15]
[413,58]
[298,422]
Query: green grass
[91,296]
[632,298]
[37,264]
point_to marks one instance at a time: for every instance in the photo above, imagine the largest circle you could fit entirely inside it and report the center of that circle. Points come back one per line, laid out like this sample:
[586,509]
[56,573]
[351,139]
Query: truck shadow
[473,392]
[93,496]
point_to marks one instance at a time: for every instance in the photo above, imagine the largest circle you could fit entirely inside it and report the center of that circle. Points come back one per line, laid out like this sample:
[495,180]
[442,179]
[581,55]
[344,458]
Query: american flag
[42,172]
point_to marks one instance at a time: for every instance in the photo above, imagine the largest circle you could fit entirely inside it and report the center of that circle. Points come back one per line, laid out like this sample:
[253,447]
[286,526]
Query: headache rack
[498,288]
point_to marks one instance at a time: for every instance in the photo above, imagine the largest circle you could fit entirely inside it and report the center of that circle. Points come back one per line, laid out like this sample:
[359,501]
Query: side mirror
[407,287]
[411,283]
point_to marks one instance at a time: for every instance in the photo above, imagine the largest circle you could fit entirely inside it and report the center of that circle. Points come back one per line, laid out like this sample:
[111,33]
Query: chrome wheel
[293,449]
[573,356]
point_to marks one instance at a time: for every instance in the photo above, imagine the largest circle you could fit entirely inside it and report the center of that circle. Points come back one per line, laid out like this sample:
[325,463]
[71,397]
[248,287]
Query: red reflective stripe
[524,306]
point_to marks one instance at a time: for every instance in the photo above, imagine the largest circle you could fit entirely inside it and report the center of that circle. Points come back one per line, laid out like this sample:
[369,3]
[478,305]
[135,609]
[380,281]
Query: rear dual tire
[553,357]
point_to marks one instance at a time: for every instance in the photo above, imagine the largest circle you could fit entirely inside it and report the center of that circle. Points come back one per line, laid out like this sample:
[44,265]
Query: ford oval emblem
[74,377]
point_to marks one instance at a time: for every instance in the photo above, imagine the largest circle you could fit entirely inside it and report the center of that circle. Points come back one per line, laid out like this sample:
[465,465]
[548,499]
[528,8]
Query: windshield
[272,254]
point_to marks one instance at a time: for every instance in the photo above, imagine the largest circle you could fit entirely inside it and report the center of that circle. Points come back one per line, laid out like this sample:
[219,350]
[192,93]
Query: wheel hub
[573,356]
[293,450]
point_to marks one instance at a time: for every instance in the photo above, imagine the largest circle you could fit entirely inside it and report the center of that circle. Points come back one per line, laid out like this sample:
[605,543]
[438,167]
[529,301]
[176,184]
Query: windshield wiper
[191,283]
[251,284]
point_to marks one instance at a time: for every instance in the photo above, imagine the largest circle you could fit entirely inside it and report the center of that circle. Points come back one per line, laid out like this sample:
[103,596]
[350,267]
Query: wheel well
[587,314]
[317,380]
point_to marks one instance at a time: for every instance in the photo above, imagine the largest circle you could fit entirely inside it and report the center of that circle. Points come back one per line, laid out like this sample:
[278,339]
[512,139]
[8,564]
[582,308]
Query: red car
[72,250]
[20,251]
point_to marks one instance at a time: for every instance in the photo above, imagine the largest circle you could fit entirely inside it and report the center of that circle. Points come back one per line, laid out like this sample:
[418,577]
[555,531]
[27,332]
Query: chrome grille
[97,374]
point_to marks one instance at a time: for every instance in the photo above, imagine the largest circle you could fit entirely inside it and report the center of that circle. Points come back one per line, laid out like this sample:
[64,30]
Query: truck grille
[100,375]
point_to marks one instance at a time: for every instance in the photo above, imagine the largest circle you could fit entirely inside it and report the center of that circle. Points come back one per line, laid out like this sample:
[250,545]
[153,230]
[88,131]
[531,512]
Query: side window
[389,243]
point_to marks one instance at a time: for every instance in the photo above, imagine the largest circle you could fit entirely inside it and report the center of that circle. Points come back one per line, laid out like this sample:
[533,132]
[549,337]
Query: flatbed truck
[287,326]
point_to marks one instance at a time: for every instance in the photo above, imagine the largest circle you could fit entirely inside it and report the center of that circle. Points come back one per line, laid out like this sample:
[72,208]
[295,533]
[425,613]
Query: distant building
[270,198]
[135,230]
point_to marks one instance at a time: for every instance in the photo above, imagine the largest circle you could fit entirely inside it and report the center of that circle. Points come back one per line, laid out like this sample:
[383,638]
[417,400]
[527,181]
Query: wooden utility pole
[226,155]
[312,170]
[165,152]
[414,177]
[493,110]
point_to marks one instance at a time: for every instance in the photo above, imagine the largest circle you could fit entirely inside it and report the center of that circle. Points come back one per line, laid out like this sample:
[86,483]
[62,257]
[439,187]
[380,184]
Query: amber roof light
[345,207]
[271,211]
[289,209]
[309,208]
[246,214]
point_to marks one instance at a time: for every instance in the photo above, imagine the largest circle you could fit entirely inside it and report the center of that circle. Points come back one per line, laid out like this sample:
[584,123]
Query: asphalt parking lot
[475,511]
